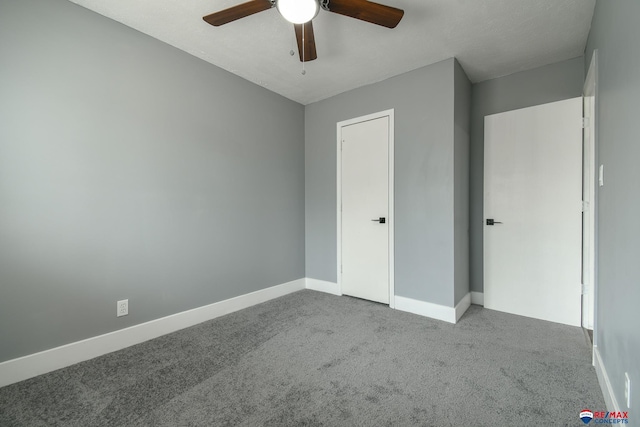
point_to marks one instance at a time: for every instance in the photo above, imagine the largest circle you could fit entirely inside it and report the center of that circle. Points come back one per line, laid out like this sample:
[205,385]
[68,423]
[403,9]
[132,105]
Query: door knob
[491,221]
[381,220]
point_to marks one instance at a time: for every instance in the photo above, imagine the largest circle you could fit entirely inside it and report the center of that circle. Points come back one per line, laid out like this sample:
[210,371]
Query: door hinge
[585,289]
[585,122]
[585,206]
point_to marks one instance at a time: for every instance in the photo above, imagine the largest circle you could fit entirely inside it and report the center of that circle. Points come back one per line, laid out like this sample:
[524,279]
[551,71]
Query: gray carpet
[310,359]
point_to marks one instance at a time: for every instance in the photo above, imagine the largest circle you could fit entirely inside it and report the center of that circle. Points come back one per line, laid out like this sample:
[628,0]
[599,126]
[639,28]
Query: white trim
[605,384]
[477,298]
[392,218]
[322,286]
[589,94]
[434,311]
[462,306]
[40,363]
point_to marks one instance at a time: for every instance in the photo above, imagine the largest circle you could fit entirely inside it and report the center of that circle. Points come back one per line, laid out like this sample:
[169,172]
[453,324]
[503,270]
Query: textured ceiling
[490,38]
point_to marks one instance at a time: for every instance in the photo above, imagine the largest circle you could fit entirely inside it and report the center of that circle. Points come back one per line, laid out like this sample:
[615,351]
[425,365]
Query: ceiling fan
[301,12]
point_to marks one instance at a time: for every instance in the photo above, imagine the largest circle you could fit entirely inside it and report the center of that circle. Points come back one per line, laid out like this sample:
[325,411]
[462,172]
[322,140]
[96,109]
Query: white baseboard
[605,384]
[40,363]
[477,298]
[462,306]
[434,311]
[322,286]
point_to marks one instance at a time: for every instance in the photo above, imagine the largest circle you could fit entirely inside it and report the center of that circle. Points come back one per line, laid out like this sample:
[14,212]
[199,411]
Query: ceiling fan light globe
[298,11]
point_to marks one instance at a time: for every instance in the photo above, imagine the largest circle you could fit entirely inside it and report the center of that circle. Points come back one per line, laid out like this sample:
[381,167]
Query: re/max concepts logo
[604,417]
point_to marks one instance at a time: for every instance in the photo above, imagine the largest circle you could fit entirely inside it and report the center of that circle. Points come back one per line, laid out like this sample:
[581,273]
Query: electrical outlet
[122,307]
[627,389]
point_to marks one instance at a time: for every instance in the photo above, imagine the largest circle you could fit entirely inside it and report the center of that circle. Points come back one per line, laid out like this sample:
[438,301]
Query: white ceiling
[490,38]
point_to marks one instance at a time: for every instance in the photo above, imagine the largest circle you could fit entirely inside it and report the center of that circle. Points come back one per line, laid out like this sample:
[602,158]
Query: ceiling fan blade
[364,10]
[237,12]
[308,41]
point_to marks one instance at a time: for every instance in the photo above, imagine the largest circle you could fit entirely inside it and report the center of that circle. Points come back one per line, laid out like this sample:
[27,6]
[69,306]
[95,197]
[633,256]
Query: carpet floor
[312,359]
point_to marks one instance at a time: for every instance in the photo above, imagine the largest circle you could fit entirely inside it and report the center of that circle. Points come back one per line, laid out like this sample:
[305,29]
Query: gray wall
[462,101]
[615,33]
[424,183]
[555,82]
[129,169]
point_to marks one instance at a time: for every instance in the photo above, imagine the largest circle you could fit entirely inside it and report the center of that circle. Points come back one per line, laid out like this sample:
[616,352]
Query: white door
[533,193]
[365,209]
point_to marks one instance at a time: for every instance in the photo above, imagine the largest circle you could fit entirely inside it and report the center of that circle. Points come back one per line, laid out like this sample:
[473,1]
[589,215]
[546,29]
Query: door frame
[589,279]
[390,219]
